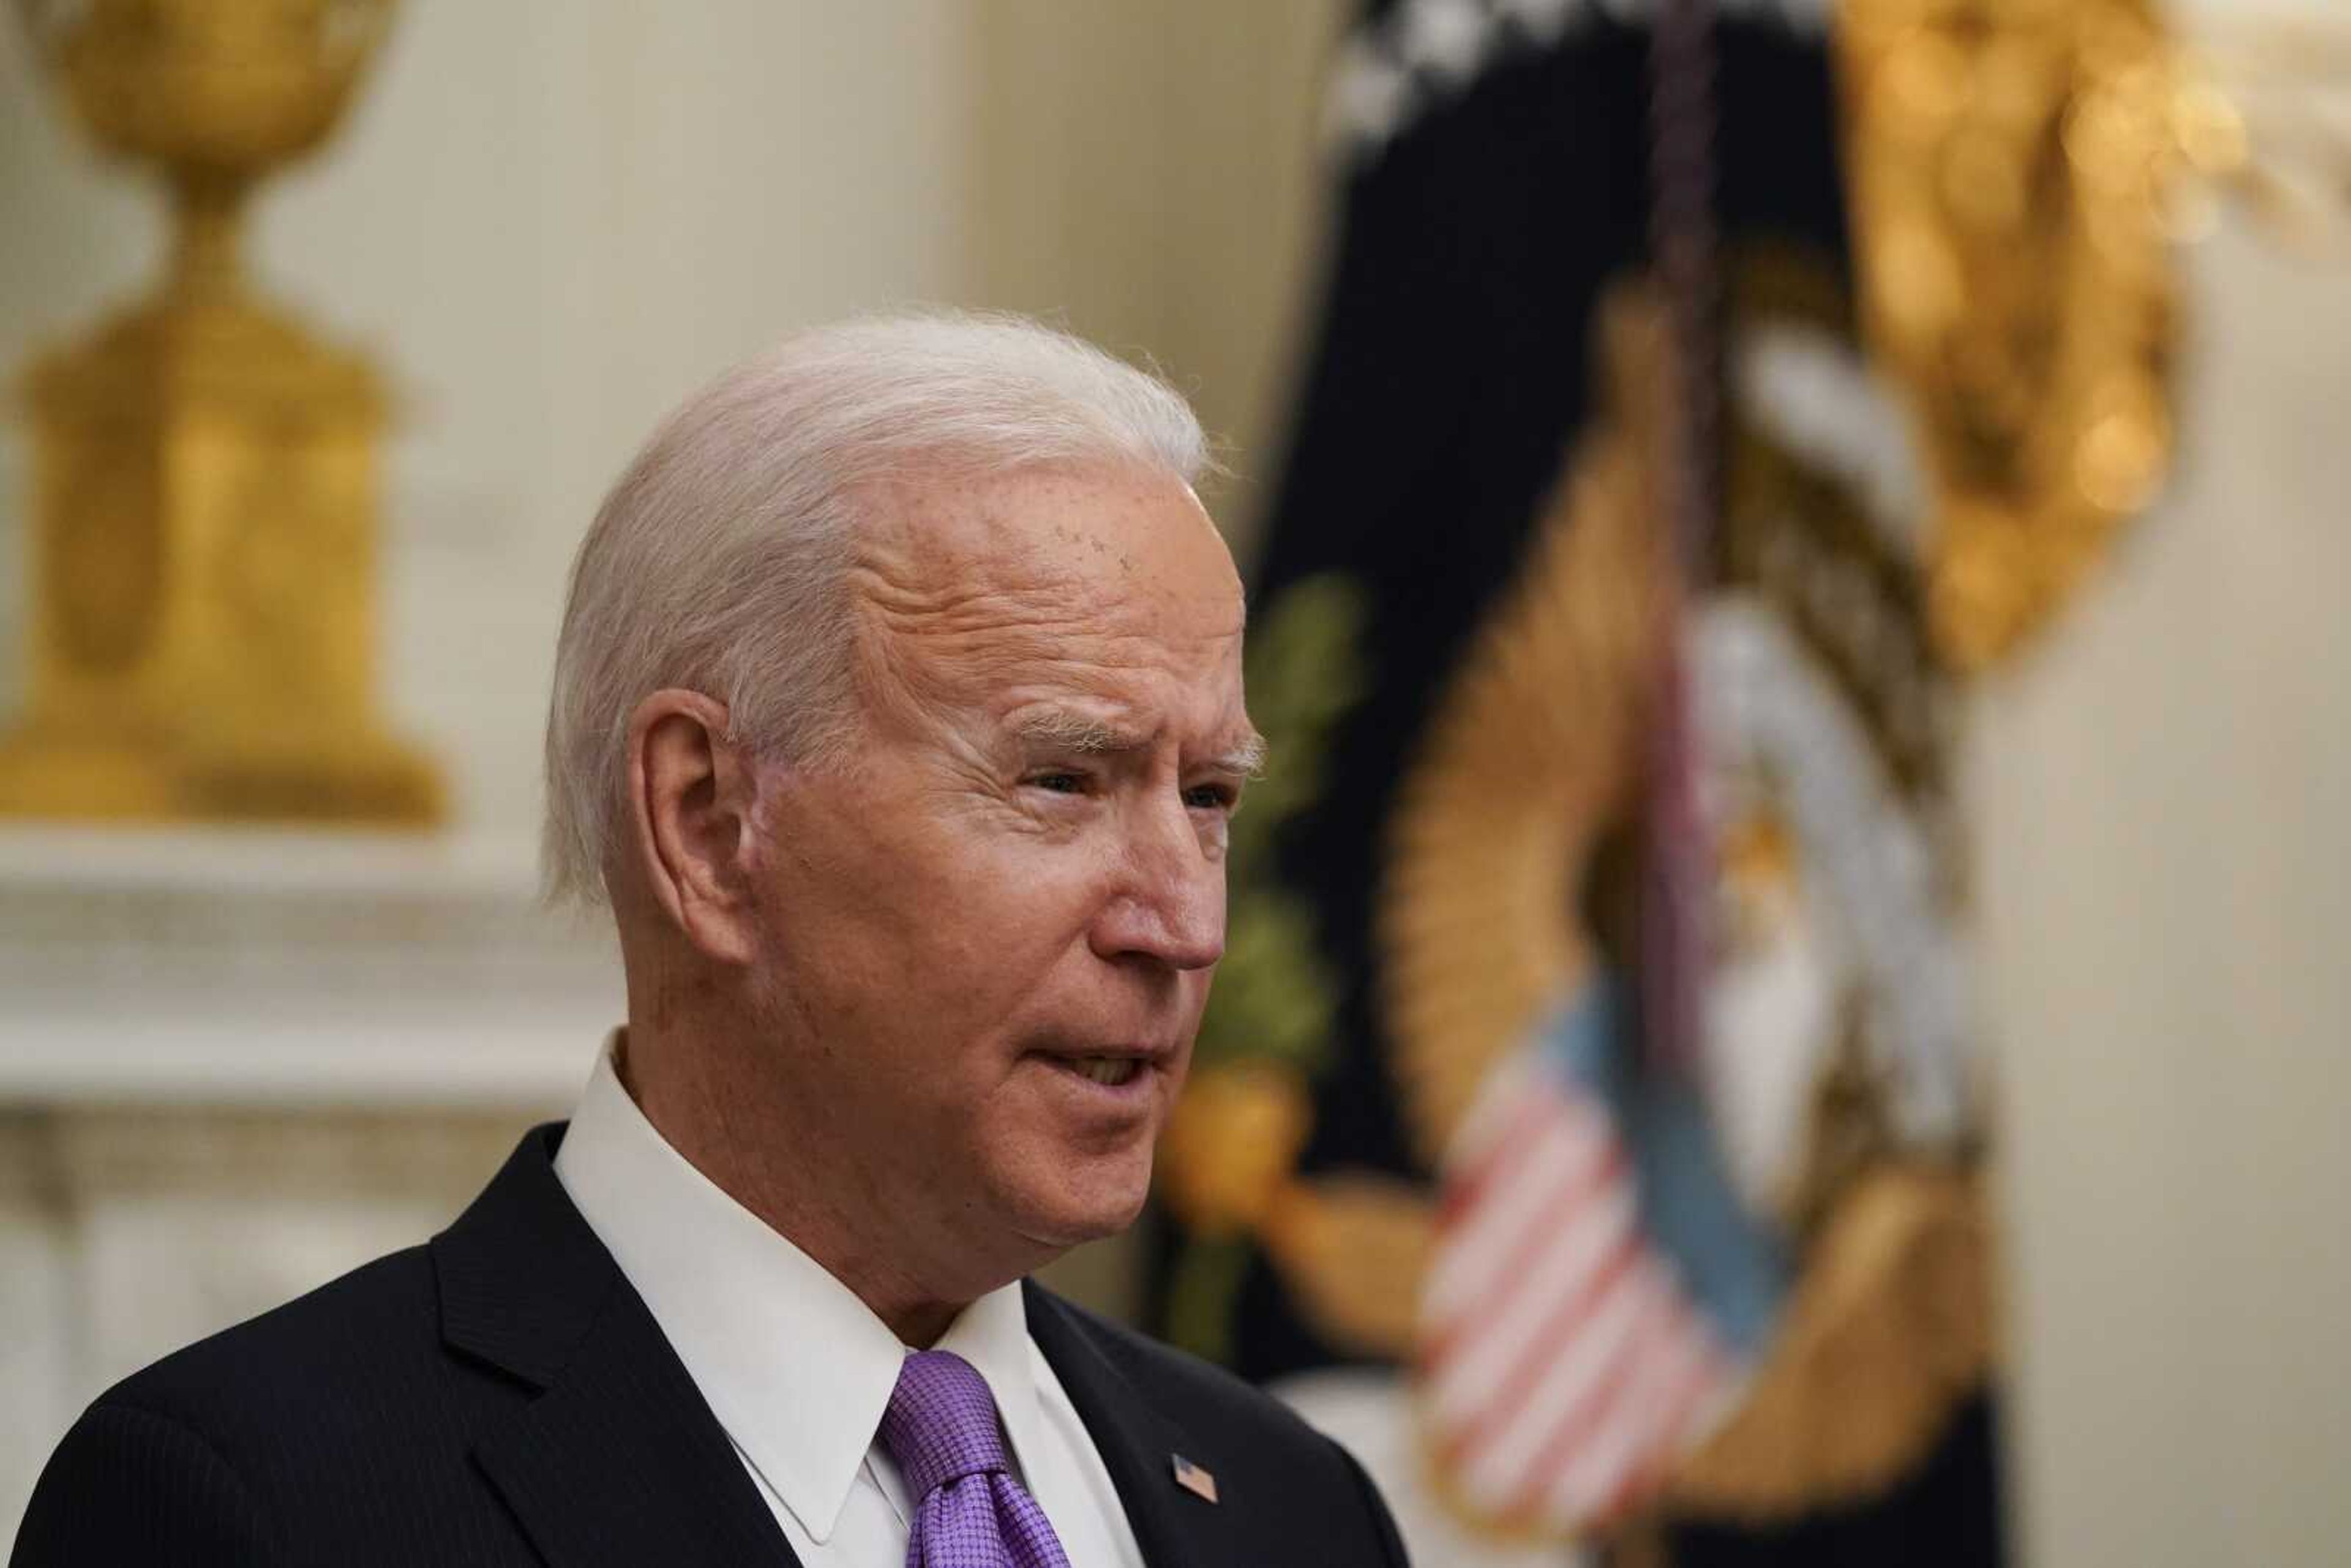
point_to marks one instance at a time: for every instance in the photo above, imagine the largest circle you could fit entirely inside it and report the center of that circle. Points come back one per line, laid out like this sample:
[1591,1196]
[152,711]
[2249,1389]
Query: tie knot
[941,1423]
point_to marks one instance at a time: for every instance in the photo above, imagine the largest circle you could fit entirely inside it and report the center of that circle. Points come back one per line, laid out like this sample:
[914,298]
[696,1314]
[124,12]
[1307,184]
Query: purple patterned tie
[969,1512]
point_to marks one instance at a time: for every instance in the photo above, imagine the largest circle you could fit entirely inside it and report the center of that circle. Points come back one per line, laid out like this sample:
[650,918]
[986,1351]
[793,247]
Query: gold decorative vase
[202,616]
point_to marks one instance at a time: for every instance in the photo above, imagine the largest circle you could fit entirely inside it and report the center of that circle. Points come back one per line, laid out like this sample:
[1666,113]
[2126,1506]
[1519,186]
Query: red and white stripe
[1562,1367]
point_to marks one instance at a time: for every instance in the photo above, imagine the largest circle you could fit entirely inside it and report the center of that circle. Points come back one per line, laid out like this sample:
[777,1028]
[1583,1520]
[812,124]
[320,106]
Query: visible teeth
[1109,1070]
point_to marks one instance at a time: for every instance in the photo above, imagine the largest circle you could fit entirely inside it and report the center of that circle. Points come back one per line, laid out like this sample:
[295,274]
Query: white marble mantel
[271,967]
[234,1063]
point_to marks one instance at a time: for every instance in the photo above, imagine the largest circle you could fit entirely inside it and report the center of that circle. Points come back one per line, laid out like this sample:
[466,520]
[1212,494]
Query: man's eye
[1212,797]
[1062,783]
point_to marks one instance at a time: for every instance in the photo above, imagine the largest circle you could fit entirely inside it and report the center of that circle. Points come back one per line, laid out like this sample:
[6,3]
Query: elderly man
[898,714]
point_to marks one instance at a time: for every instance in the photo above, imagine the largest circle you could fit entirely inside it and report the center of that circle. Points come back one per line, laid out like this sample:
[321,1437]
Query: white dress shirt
[798,1369]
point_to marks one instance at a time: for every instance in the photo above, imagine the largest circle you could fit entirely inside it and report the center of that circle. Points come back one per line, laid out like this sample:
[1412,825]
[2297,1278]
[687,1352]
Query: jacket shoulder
[129,1486]
[336,1426]
[1297,1479]
[1188,1387]
[303,1361]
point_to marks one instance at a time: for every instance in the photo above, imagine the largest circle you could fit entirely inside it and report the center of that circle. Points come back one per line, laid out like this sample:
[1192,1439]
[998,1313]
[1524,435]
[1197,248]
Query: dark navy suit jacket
[502,1395]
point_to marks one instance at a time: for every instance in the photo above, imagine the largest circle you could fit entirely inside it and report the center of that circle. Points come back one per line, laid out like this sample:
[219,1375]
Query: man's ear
[690,797]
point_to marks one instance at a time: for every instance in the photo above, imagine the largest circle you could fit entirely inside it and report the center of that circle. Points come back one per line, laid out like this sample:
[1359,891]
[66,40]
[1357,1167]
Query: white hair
[719,562]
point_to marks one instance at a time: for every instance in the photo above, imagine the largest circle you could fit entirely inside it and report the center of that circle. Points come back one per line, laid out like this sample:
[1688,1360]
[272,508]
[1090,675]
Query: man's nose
[1168,904]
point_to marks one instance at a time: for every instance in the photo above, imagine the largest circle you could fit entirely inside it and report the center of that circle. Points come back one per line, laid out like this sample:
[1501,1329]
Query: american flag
[1563,1366]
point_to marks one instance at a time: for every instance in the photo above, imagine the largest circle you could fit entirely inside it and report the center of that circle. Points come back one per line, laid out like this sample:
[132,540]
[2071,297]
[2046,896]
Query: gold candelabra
[203,515]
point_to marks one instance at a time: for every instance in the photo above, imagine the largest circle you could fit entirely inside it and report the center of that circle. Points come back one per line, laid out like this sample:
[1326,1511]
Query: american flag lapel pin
[1194,1479]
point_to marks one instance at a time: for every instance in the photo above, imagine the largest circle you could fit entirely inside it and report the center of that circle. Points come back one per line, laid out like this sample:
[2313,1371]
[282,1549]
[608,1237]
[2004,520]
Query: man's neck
[702,1117]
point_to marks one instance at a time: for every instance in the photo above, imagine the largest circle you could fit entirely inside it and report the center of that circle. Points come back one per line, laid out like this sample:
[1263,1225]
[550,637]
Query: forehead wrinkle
[970,668]
[930,642]
[953,601]
[908,569]
[944,625]
[988,629]
[951,606]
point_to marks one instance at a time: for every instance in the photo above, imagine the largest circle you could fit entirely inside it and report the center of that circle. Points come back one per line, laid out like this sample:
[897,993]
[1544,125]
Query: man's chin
[1079,1212]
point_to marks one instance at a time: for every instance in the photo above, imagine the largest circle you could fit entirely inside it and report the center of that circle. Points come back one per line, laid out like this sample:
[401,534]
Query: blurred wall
[551,219]
[1151,176]
[2163,811]
[2163,816]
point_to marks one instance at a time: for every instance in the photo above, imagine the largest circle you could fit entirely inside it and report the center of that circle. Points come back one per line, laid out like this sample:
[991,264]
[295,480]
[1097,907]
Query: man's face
[987,938]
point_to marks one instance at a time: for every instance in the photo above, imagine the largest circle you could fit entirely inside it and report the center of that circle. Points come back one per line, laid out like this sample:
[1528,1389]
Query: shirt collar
[992,1334]
[794,1366]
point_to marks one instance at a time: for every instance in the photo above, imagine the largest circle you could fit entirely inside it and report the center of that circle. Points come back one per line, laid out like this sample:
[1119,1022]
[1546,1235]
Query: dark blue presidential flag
[1583,1124]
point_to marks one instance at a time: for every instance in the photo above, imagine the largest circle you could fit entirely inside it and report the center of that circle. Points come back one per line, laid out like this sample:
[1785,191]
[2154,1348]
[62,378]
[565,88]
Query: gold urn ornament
[203,615]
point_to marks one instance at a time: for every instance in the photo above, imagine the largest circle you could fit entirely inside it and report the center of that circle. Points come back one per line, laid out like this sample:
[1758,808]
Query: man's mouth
[1109,1071]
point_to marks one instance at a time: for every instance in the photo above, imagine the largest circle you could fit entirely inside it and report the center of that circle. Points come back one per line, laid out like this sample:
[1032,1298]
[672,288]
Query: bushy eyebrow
[1246,760]
[1061,730]
[1066,731]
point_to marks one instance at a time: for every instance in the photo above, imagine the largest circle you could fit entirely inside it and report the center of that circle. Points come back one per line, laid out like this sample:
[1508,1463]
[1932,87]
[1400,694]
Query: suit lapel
[622,1461]
[1137,1444]
[618,1459]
